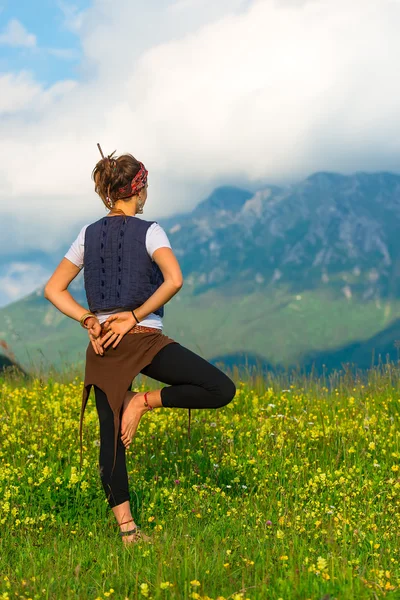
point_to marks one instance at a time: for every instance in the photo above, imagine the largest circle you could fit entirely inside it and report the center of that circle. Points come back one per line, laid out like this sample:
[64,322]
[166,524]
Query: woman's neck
[124,207]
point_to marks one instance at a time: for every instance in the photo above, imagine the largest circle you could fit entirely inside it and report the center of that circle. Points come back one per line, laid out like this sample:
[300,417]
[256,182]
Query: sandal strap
[131,532]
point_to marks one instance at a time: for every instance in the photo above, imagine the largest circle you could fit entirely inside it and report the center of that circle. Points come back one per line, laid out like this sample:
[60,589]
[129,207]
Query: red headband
[137,183]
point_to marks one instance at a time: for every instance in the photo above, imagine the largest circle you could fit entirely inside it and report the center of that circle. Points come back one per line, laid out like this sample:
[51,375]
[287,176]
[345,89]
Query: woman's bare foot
[132,411]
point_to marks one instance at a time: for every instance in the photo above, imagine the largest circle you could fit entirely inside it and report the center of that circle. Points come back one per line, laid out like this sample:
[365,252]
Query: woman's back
[116,253]
[119,274]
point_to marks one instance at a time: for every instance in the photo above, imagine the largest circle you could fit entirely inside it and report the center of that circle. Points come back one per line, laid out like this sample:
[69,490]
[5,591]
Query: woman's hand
[117,326]
[94,330]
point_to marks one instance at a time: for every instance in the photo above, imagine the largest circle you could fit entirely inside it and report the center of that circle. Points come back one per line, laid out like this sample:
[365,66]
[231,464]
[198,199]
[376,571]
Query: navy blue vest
[118,272]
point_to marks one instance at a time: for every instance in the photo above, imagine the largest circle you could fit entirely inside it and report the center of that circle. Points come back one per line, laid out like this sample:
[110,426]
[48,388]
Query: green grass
[280,495]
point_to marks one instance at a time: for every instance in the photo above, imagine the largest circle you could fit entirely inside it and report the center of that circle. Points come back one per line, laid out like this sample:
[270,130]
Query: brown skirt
[114,372]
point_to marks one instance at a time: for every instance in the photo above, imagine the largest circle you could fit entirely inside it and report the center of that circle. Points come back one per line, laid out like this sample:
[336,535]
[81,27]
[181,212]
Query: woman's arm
[57,293]
[173,281]
[124,321]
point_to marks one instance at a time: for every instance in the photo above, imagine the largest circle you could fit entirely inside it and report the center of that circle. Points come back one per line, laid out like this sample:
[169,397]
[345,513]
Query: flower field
[284,494]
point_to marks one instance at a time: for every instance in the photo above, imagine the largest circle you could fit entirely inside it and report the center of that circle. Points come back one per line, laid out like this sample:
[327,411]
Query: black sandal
[141,537]
[130,532]
[136,530]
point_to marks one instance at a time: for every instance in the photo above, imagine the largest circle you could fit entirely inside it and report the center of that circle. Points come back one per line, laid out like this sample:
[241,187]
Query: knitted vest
[118,272]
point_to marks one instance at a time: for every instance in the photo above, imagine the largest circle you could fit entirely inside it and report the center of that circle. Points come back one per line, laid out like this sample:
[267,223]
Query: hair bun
[113,174]
[110,166]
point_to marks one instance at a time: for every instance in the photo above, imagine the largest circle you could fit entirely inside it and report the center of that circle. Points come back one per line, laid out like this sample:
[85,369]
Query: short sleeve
[156,238]
[77,249]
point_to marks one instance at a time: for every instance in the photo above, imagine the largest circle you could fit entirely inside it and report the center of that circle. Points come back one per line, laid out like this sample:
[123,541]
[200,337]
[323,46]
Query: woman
[130,273]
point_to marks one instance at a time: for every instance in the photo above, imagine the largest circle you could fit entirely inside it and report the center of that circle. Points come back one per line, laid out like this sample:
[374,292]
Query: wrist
[89,322]
[85,318]
[135,317]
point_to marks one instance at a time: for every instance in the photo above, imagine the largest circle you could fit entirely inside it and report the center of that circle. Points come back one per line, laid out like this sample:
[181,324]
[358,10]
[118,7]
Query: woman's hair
[113,173]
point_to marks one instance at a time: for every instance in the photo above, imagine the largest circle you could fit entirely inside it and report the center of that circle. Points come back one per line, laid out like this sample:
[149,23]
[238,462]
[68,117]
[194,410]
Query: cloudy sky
[204,93]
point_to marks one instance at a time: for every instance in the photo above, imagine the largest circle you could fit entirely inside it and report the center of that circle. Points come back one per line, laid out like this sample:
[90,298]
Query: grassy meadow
[287,493]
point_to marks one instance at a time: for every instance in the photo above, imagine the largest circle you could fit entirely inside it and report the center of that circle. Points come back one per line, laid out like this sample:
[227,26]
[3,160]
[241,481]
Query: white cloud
[73,17]
[205,93]
[17,91]
[20,279]
[20,92]
[16,35]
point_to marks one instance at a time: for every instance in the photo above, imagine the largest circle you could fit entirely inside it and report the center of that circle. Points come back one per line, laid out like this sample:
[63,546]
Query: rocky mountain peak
[226,198]
[325,230]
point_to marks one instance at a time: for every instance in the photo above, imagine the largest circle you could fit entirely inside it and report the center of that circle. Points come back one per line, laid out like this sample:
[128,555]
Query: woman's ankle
[123,516]
[127,526]
[153,399]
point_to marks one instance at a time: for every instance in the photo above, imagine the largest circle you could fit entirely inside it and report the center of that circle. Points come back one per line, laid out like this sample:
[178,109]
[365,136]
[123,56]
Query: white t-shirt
[155,238]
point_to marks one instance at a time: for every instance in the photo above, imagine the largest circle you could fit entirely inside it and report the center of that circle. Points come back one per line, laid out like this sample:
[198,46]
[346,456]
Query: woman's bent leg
[193,381]
[116,487]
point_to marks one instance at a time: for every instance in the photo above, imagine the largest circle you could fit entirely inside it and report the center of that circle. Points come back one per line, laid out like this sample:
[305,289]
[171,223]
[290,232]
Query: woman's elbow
[48,291]
[178,283]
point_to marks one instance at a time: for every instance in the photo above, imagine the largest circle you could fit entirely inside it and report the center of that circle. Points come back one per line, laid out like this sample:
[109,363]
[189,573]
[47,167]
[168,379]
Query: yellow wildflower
[165,585]
[322,563]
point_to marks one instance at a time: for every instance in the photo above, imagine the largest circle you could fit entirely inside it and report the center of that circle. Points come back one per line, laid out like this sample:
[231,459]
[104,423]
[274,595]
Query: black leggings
[193,383]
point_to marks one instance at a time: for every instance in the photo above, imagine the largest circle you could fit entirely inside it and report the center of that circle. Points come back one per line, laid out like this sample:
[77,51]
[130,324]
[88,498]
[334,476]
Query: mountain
[285,276]
[379,349]
[326,229]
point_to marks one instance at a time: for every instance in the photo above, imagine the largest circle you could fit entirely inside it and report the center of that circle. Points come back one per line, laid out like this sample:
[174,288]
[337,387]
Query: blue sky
[56,53]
